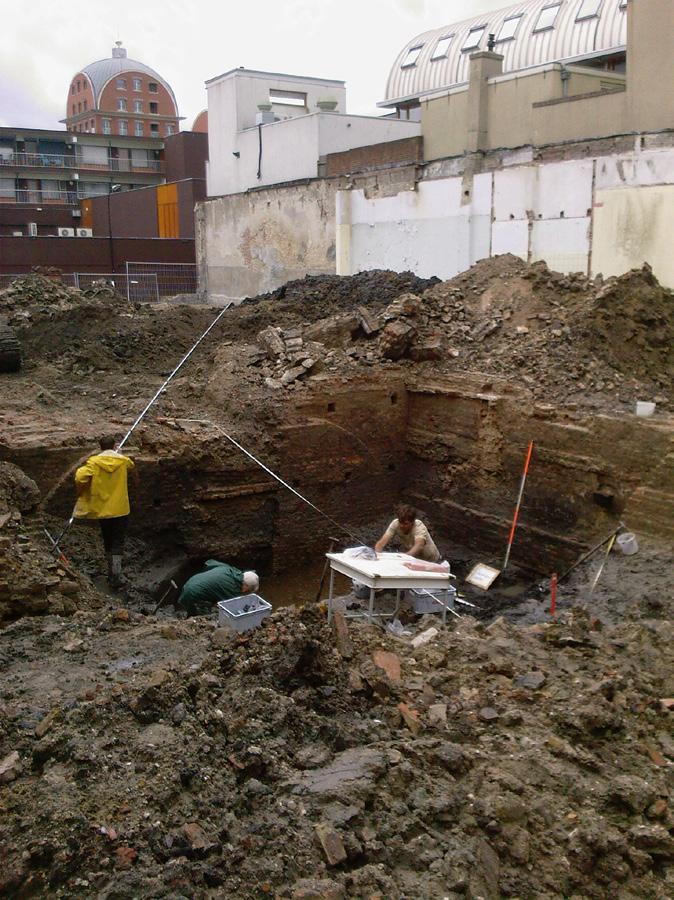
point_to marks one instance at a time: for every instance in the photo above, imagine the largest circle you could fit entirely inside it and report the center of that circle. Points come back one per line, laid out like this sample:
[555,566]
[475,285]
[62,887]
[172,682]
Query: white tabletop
[387,571]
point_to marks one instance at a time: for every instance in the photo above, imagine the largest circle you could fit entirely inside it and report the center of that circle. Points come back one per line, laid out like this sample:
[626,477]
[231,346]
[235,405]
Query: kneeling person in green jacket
[220,581]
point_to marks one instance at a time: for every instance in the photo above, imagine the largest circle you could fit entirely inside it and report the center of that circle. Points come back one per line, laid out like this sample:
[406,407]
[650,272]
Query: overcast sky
[43,43]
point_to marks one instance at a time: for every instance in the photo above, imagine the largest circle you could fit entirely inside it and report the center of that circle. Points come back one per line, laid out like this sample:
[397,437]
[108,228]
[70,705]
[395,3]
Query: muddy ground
[512,755]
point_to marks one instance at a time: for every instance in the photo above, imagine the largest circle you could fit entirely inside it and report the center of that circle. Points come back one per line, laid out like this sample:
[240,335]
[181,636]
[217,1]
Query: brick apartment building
[123,97]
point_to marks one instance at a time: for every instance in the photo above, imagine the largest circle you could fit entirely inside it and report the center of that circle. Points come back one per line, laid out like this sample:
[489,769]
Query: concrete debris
[424,638]
[263,762]
[10,767]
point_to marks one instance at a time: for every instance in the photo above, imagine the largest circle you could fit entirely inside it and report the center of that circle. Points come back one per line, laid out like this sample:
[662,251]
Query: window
[123,126]
[588,9]
[509,29]
[473,38]
[92,123]
[138,106]
[78,87]
[170,130]
[121,84]
[72,88]
[288,98]
[137,84]
[154,129]
[84,106]
[154,108]
[79,107]
[442,47]
[106,126]
[547,17]
[121,104]
[153,87]
[138,129]
[74,108]
[412,57]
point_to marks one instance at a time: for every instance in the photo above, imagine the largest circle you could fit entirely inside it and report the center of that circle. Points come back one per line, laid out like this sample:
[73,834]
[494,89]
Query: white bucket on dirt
[628,543]
[645,408]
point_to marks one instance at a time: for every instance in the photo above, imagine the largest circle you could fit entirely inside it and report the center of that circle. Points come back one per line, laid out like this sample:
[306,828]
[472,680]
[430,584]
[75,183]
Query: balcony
[47,197]
[71,162]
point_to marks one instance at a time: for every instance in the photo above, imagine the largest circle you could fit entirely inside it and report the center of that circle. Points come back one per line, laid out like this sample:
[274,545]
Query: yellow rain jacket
[105,494]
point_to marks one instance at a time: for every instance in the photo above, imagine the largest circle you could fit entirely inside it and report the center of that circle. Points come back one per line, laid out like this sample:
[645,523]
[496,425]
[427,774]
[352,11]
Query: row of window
[152,86]
[79,107]
[588,9]
[123,128]
[137,106]
[138,128]
[137,83]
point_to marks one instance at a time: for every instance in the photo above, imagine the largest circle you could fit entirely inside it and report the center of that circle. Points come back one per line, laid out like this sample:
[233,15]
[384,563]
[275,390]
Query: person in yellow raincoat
[103,494]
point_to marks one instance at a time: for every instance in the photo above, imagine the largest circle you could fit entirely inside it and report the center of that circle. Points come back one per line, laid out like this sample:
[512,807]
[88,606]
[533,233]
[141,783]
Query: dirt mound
[494,762]
[631,325]
[317,296]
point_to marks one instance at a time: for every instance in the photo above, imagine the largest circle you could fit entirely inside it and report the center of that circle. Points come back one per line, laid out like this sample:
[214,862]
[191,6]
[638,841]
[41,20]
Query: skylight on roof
[509,29]
[442,47]
[589,9]
[547,17]
[412,56]
[473,38]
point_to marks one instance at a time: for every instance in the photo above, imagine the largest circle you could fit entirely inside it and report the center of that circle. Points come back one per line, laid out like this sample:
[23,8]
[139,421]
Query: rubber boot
[115,570]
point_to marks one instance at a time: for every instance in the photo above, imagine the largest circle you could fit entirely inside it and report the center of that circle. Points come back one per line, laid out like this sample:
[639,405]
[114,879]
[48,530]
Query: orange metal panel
[86,219]
[168,222]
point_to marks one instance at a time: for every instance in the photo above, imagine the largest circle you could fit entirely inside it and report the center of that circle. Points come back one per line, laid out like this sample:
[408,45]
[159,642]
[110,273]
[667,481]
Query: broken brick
[332,844]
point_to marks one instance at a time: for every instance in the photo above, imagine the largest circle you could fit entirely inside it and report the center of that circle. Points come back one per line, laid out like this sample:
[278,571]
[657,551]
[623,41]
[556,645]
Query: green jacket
[201,592]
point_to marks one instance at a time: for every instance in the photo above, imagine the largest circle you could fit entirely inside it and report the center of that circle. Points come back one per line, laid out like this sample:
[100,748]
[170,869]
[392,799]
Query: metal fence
[137,288]
[172,278]
[140,282]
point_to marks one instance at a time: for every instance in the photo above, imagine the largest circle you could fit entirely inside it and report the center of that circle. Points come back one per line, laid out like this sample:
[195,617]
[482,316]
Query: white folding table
[387,572]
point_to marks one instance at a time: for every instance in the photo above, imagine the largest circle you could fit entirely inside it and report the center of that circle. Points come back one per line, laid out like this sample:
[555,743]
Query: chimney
[118,52]
[483,66]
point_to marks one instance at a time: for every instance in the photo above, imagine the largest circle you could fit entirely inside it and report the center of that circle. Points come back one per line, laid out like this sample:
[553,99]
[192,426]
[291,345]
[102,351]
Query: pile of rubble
[160,759]
[36,294]
[559,337]
[32,581]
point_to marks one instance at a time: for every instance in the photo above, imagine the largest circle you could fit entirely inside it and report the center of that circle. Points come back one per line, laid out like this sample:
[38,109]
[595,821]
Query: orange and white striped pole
[519,503]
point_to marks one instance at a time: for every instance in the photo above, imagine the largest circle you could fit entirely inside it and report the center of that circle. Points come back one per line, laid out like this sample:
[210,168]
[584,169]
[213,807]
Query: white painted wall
[605,214]
[291,146]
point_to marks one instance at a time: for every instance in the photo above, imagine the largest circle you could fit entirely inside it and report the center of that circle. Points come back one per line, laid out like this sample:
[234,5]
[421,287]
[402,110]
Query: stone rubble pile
[560,337]
[484,762]
[32,581]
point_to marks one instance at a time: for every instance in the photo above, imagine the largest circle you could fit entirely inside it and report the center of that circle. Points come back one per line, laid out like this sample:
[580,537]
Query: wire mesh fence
[140,282]
[172,278]
[136,288]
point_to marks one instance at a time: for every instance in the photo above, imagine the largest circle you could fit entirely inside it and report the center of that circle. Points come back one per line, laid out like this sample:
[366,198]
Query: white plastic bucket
[628,543]
[645,408]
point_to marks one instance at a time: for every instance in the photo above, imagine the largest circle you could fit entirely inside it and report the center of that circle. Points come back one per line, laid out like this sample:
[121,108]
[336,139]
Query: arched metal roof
[581,29]
[100,72]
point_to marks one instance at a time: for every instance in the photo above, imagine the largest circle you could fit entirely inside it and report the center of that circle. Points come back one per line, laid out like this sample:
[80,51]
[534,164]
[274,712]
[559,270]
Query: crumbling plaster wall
[251,243]
[573,206]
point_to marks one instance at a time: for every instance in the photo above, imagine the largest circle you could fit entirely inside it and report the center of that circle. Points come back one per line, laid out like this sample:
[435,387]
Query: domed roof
[528,34]
[100,72]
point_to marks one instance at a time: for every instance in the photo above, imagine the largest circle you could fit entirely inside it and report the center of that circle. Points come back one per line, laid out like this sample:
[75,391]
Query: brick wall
[363,159]
[20,254]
